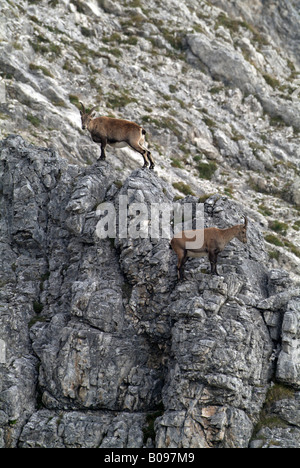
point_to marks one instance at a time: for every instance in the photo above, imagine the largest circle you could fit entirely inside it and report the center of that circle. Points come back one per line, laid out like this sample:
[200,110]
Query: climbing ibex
[117,133]
[215,241]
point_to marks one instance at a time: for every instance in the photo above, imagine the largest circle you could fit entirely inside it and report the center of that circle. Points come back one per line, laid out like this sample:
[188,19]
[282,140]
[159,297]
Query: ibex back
[116,132]
[214,242]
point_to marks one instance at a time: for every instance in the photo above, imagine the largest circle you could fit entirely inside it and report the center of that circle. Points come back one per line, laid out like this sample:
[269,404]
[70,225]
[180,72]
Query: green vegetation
[42,45]
[68,66]
[296,226]
[292,248]
[272,239]
[134,4]
[35,121]
[136,21]
[174,38]
[274,254]
[267,419]
[277,226]
[205,197]
[282,242]
[277,121]
[216,89]
[79,5]
[74,100]
[234,25]
[117,39]
[271,80]
[149,430]
[278,392]
[164,122]
[102,52]
[58,102]
[264,210]
[170,123]
[229,23]
[38,45]
[3,116]
[206,170]
[118,183]
[209,122]
[120,100]
[87,32]
[260,188]
[177,163]
[37,307]
[44,70]
[35,320]
[183,188]
[228,192]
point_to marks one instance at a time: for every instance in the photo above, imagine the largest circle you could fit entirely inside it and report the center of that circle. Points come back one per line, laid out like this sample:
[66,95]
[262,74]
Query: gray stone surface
[214,83]
[104,348]
[99,344]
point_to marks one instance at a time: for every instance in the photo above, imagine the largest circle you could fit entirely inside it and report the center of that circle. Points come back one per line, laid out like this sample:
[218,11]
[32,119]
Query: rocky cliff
[104,348]
[100,346]
[215,84]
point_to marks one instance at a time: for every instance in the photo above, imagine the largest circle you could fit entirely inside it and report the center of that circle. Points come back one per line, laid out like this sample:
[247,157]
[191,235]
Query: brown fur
[215,241]
[116,132]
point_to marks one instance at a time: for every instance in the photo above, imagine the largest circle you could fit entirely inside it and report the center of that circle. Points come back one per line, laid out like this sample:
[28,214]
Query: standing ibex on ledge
[214,242]
[117,133]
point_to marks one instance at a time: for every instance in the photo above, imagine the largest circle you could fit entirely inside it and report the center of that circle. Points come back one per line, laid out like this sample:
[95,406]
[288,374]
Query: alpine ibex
[214,242]
[117,133]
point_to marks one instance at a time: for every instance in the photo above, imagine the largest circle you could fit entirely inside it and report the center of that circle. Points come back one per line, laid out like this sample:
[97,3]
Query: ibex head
[86,117]
[242,234]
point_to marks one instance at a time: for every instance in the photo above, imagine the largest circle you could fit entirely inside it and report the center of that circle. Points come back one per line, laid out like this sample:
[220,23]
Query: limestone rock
[102,335]
[99,344]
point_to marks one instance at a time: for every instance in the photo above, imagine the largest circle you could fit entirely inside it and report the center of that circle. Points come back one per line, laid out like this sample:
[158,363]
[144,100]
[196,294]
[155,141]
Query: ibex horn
[92,109]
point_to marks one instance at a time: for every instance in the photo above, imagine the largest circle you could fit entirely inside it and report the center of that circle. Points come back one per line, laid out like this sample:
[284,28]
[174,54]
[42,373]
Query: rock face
[215,84]
[277,20]
[100,346]
[231,67]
